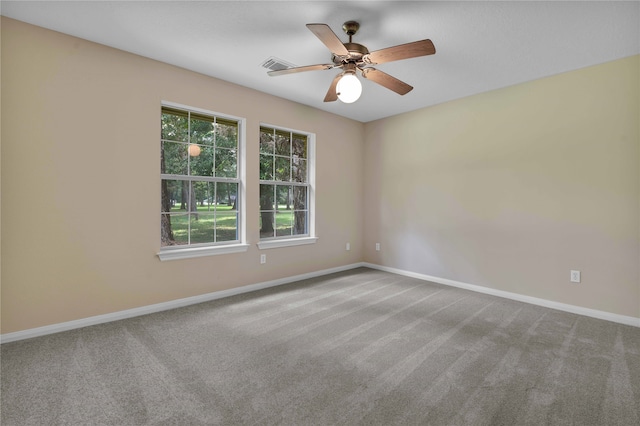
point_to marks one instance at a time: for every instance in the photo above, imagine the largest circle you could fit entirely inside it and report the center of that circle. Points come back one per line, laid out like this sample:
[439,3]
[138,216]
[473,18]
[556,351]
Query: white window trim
[187,252]
[311,237]
[275,243]
[190,252]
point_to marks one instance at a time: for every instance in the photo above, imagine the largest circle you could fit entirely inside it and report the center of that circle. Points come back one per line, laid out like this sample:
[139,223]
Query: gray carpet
[358,347]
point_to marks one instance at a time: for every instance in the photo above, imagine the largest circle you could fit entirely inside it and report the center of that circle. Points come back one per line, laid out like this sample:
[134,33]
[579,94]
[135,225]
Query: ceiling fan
[352,57]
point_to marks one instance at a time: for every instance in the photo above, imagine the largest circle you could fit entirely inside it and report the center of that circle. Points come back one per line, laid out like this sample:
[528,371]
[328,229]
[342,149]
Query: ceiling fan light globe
[349,88]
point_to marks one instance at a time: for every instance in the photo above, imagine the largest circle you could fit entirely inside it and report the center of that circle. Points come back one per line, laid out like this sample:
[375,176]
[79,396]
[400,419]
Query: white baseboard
[179,303]
[144,310]
[621,319]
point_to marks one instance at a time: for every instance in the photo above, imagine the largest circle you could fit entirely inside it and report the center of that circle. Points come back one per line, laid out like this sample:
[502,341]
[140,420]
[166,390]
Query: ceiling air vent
[276,64]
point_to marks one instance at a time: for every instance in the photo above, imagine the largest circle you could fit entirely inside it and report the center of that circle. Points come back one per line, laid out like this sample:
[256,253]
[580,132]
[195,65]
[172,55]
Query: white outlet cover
[575,276]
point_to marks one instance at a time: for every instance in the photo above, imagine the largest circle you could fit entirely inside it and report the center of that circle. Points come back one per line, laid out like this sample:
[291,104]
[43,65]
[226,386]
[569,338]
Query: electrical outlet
[377,246]
[263,258]
[575,276]
[348,246]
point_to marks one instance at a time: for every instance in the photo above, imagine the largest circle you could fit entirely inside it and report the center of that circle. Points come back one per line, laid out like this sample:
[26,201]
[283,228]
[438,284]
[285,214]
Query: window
[286,187]
[201,185]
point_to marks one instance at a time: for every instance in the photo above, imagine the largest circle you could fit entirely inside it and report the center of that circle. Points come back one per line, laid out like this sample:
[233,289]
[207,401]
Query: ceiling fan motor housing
[356,52]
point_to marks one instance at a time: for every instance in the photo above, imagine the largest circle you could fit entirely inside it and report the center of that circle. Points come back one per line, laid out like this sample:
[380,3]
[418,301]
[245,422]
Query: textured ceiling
[480,45]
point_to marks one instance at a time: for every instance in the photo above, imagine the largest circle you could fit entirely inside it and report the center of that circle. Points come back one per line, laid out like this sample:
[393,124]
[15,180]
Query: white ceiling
[480,45]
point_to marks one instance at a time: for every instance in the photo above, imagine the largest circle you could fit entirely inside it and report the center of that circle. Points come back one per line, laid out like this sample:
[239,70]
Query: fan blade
[301,69]
[332,95]
[329,38]
[403,51]
[384,79]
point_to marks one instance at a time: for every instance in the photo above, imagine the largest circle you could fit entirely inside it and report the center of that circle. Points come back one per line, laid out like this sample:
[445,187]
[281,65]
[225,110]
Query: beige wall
[81,189]
[513,188]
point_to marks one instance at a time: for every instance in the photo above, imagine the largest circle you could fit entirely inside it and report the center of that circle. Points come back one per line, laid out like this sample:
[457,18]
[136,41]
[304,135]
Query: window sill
[187,253]
[269,244]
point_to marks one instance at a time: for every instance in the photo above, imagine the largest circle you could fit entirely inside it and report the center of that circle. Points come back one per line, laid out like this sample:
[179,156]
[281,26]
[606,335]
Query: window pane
[201,160]
[299,170]
[227,196]
[172,195]
[202,130]
[266,167]
[180,229]
[267,197]
[284,221]
[300,198]
[226,226]
[283,166]
[227,134]
[267,226]
[173,158]
[299,145]
[204,196]
[283,144]
[300,222]
[267,144]
[202,227]
[283,197]
[188,197]
[175,127]
[226,163]
[166,235]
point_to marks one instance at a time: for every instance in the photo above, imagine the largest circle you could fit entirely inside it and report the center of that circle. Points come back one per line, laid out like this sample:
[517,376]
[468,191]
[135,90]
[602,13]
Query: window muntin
[200,181]
[285,188]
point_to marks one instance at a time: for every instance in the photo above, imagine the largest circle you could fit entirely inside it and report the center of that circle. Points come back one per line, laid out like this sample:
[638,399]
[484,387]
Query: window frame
[293,240]
[209,249]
